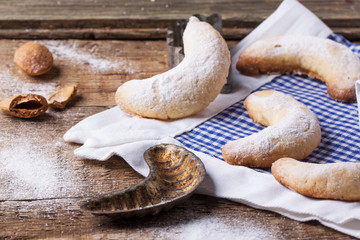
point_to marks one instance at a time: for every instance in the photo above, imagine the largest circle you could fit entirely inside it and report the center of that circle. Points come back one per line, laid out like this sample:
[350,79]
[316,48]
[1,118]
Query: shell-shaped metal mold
[174,175]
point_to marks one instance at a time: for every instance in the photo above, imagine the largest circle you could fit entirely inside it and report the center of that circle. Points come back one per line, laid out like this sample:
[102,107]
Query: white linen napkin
[113,132]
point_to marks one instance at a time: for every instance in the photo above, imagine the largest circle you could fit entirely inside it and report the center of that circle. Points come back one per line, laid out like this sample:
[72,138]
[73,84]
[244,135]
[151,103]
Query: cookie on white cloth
[189,87]
[319,58]
[339,181]
[292,131]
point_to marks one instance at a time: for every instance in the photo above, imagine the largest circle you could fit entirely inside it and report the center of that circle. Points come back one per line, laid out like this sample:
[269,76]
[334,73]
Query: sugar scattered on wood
[209,228]
[33,172]
[16,85]
[86,59]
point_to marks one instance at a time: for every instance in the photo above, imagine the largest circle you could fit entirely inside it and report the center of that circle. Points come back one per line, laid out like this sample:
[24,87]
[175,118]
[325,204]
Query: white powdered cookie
[323,59]
[339,181]
[189,87]
[293,131]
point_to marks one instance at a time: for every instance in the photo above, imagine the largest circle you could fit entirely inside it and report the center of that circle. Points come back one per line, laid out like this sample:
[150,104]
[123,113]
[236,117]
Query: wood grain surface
[42,183]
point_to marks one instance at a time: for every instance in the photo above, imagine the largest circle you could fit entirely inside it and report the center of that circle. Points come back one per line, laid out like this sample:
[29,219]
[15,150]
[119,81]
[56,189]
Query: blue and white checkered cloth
[339,121]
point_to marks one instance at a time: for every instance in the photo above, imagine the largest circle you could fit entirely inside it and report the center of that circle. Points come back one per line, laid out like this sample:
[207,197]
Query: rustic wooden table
[99,44]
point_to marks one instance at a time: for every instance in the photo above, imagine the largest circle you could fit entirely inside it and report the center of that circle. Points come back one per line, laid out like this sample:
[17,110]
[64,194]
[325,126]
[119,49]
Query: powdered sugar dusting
[16,85]
[274,101]
[210,228]
[34,172]
[73,53]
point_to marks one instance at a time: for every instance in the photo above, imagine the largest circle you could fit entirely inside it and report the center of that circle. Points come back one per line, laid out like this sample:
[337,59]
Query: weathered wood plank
[105,19]
[247,12]
[352,34]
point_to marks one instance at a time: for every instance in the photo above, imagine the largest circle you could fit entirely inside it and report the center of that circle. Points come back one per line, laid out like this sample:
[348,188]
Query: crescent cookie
[190,86]
[319,58]
[293,131]
[339,181]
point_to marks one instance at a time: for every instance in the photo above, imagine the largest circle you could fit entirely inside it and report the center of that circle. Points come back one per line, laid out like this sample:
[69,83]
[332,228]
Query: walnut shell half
[25,105]
[60,98]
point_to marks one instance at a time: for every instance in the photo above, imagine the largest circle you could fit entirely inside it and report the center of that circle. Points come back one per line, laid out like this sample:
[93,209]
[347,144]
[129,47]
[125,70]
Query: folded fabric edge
[80,132]
[349,227]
